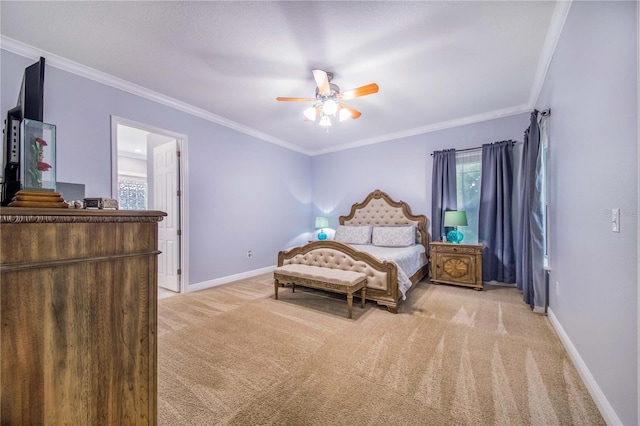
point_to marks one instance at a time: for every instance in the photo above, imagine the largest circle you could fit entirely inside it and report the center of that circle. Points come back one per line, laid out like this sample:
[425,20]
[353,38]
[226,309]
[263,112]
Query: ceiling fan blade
[354,112]
[295,99]
[322,80]
[360,91]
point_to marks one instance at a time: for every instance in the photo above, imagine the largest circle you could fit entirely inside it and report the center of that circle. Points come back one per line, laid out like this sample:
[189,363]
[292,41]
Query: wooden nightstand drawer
[457,248]
[459,264]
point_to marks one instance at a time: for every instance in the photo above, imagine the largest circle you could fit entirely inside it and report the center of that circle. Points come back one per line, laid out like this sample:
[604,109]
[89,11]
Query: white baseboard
[229,278]
[601,401]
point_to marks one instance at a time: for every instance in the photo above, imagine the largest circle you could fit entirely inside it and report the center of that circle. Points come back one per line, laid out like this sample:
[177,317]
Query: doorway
[148,167]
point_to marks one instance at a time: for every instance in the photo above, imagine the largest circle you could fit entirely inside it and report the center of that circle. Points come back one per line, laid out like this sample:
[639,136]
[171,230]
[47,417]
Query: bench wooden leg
[349,305]
[363,295]
[276,284]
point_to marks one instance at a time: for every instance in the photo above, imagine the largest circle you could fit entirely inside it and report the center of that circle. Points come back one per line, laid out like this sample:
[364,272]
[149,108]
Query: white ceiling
[132,141]
[438,64]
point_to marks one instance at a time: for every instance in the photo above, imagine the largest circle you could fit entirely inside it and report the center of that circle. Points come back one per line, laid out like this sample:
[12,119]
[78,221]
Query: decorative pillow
[394,236]
[353,234]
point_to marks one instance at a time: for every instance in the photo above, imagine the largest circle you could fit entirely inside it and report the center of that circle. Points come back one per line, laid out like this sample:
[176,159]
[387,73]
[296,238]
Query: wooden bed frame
[378,209]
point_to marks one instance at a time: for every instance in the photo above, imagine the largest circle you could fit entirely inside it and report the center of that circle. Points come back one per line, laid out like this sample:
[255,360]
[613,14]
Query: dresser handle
[455,249]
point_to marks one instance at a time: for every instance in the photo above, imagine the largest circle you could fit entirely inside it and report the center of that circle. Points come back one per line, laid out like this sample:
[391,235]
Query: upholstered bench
[336,280]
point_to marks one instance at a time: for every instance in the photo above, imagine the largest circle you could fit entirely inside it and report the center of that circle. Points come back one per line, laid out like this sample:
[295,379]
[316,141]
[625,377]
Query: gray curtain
[443,190]
[494,214]
[529,267]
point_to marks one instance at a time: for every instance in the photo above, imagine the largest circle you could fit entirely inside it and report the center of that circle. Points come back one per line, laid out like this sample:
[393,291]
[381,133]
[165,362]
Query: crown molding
[431,128]
[133,155]
[64,64]
[556,26]
[555,29]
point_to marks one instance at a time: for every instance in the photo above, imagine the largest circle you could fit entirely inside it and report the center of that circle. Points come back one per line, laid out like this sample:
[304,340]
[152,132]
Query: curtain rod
[478,147]
[543,113]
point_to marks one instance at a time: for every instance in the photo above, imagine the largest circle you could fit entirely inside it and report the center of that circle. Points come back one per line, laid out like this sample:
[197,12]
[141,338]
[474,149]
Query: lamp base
[321,235]
[454,236]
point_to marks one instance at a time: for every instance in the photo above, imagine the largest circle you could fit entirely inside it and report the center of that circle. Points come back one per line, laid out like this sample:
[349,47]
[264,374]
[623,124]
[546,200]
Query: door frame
[183,204]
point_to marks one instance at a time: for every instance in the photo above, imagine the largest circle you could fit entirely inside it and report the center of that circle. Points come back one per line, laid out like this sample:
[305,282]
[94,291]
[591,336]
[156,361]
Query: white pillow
[353,234]
[394,236]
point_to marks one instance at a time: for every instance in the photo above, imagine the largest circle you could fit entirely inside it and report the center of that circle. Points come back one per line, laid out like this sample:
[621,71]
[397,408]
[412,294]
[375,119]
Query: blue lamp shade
[455,219]
[322,222]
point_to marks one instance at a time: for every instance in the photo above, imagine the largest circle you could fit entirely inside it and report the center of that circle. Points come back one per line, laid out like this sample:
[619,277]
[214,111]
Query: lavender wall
[591,88]
[244,193]
[402,168]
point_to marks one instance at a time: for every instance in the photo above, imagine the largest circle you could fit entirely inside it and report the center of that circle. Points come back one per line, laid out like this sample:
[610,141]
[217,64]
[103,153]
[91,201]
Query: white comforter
[408,259]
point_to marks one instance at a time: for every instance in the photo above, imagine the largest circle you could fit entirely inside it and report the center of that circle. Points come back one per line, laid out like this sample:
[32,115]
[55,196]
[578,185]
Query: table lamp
[322,222]
[455,219]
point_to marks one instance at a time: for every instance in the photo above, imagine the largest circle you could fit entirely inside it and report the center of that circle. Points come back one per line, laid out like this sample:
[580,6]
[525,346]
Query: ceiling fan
[329,99]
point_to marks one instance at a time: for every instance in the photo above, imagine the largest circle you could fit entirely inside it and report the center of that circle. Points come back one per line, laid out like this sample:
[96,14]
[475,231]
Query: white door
[166,199]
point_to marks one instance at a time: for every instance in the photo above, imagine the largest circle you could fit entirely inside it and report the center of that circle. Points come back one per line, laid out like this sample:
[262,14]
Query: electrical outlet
[249,254]
[557,288]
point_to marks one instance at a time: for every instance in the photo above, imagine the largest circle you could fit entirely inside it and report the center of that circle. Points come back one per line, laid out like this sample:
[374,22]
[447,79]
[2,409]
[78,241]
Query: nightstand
[459,264]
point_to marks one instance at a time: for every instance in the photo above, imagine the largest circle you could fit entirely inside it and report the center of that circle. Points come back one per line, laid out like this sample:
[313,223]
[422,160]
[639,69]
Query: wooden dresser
[78,298]
[459,264]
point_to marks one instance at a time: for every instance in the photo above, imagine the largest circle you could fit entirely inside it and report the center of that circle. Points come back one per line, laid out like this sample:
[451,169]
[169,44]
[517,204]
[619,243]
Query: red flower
[43,166]
[41,142]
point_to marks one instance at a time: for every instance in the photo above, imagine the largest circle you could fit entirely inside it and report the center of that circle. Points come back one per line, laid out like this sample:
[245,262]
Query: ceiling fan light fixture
[329,100]
[344,114]
[329,107]
[310,113]
[325,121]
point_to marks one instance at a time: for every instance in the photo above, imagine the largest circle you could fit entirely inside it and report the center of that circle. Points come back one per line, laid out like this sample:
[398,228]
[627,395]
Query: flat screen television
[30,105]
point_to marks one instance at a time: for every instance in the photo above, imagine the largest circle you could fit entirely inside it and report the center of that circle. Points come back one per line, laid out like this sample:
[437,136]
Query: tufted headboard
[378,209]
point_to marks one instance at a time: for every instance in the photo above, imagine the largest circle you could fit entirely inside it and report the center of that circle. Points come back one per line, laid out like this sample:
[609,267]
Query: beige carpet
[233,355]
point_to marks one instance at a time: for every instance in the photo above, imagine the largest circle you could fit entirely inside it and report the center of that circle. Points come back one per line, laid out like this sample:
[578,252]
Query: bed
[391,271]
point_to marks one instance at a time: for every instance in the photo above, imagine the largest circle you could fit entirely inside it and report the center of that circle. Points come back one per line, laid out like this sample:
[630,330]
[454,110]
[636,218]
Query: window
[132,194]
[468,173]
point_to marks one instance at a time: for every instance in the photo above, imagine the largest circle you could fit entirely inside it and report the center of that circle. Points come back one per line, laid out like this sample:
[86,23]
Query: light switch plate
[615,220]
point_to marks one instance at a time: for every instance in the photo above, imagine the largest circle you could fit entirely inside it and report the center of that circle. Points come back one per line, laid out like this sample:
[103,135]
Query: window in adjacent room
[132,193]
[468,172]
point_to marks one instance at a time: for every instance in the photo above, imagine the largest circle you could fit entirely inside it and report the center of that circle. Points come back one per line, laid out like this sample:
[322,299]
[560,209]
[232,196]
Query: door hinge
[179,271]
[178,153]
[179,193]
[179,232]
